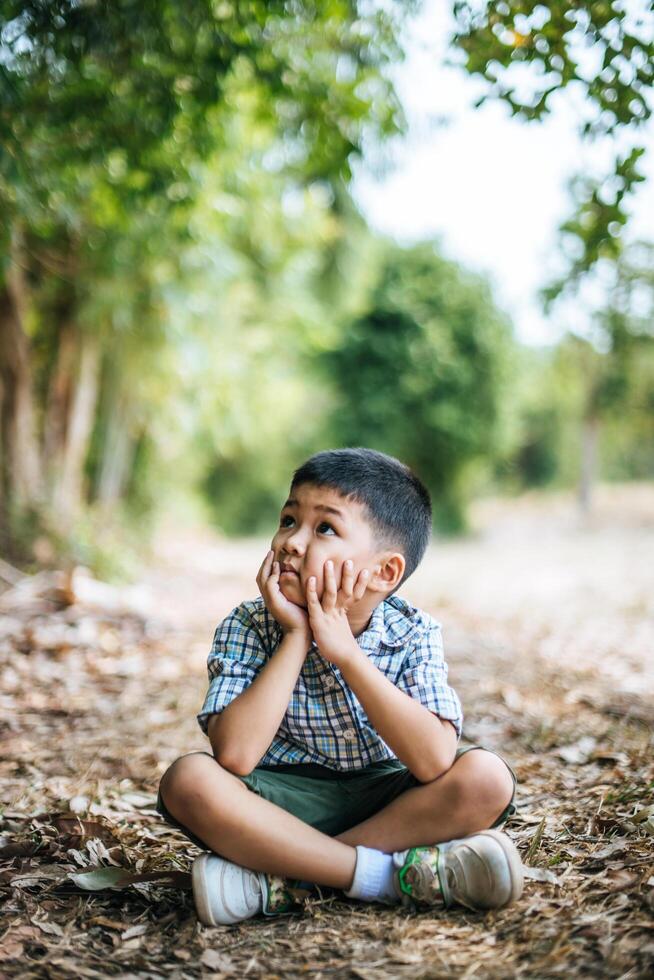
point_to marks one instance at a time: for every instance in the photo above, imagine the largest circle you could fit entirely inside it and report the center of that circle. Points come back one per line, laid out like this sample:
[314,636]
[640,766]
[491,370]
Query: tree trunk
[20,469]
[68,491]
[588,469]
[58,404]
[117,452]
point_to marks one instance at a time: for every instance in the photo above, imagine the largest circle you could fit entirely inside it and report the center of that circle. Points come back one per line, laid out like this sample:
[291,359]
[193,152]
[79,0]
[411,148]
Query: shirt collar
[392,623]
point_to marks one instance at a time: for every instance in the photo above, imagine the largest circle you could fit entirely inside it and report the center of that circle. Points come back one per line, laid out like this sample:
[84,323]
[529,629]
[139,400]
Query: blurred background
[236,233]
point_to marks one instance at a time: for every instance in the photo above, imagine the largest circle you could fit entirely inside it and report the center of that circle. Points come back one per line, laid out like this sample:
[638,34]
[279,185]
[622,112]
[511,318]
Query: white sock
[373,877]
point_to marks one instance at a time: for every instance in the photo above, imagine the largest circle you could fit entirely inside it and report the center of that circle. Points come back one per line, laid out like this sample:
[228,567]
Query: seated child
[332,727]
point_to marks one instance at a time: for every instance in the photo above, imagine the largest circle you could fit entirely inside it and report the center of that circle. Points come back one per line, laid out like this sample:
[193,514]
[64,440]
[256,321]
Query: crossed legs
[255,833]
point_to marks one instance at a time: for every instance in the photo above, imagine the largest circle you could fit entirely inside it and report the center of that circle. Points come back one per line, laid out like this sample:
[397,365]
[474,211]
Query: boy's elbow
[234,762]
[433,767]
[427,772]
[228,756]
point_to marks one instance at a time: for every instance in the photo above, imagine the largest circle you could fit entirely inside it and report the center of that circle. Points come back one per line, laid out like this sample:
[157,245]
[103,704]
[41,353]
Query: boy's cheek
[294,592]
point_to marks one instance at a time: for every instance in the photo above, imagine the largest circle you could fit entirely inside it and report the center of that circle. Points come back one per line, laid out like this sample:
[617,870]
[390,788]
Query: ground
[549,630]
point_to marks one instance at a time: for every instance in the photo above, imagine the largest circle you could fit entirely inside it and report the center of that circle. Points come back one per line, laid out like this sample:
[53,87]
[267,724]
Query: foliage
[602,53]
[421,373]
[607,378]
[89,73]
[260,303]
[113,117]
[532,455]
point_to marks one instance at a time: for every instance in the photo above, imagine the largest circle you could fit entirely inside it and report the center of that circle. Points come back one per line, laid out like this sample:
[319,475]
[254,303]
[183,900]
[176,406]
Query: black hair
[396,501]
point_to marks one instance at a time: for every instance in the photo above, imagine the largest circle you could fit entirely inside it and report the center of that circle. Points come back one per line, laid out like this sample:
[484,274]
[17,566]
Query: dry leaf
[101,878]
[215,960]
[579,752]
[541,874]
[137,930]
[51,928]
[79,804]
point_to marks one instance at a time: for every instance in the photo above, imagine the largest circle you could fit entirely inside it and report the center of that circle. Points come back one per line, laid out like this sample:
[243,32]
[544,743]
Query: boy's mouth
[288,570]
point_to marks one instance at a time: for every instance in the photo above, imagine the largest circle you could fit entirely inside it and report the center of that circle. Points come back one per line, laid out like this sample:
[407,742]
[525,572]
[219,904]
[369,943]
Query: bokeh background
[236,233]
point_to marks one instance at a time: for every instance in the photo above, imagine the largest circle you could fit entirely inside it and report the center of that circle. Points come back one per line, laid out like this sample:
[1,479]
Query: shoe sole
[513,861]
[200,891]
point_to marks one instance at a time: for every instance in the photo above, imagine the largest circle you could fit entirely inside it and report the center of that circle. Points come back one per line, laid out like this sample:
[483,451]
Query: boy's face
[318,524]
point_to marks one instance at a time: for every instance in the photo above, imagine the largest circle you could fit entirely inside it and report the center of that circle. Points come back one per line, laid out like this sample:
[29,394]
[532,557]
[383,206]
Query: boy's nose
[295,544]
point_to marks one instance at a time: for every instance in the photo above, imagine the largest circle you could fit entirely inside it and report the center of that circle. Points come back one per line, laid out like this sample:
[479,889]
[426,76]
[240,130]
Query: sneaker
[483,871]
[226,893]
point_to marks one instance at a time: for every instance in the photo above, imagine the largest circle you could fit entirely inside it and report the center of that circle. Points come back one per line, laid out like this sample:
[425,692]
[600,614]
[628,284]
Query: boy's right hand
[291,617]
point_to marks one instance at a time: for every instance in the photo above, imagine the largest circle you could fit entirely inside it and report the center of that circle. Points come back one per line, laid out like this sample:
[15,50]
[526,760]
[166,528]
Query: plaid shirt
[324,722]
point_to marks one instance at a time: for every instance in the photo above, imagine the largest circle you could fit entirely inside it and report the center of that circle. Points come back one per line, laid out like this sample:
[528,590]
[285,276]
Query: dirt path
[549,632]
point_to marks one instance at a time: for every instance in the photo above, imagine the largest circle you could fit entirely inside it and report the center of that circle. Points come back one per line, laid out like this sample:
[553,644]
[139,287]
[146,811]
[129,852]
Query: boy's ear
[388,574]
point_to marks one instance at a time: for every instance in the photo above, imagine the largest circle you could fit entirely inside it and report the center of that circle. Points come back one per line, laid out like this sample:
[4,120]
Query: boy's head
[352,503]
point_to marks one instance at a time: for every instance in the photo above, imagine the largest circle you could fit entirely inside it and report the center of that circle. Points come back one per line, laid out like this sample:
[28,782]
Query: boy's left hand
[328,618]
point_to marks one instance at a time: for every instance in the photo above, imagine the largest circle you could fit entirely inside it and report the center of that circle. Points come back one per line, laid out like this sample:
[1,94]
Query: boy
[332,726]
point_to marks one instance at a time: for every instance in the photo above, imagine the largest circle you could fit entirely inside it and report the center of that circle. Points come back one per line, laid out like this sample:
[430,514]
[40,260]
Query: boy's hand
[291,617]
[328,619]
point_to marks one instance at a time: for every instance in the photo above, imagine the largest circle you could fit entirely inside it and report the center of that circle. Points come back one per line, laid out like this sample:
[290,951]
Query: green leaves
[594,230]
[602,53]
[420,372]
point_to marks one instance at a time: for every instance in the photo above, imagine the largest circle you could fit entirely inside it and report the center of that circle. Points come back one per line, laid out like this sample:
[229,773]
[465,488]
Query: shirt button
[349,734]
[329,682]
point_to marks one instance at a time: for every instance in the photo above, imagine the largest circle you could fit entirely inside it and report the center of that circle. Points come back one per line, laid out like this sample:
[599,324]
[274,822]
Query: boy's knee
[486,777]
[185,779]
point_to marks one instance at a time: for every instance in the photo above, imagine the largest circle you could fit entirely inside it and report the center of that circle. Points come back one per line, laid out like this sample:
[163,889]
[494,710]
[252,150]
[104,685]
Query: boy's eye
[325,528]
[286,520]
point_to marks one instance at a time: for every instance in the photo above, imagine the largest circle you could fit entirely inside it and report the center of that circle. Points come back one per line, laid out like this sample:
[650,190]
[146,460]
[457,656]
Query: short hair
[397,503]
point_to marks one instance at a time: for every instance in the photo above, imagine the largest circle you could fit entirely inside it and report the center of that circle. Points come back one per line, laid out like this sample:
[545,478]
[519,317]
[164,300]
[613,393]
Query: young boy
[332,727]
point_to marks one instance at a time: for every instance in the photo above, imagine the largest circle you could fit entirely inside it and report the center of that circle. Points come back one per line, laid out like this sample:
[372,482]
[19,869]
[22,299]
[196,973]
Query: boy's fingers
[264,571]
[329,591]
[270,585]
[362,584]
[347,579]
[312,594]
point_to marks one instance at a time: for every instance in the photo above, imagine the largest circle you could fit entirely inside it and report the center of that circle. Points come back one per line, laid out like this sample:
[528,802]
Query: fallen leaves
[96,701]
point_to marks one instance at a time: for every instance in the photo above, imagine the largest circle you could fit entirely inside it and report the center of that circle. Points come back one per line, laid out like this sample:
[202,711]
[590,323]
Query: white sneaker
[226,893]
[483,871]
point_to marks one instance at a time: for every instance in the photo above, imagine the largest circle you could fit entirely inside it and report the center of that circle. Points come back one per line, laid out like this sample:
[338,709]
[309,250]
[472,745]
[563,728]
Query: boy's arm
[425,744]
[242,732]
[417,736]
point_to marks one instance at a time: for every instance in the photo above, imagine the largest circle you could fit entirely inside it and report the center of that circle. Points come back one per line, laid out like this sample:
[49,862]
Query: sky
[492,189]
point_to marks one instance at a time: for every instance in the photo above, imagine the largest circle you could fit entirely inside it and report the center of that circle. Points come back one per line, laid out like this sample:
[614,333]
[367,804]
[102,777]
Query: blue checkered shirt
[324,722]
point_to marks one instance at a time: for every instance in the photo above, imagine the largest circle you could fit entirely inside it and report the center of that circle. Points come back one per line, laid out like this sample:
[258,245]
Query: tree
[587,404]
[420,372]
[625,327]
[107,113]
[529,53]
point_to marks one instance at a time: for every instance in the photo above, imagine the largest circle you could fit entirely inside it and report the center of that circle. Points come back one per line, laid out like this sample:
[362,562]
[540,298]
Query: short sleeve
[424,677]
[237,654]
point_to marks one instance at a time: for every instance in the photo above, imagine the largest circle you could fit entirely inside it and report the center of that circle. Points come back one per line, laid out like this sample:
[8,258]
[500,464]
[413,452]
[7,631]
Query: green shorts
[332,801]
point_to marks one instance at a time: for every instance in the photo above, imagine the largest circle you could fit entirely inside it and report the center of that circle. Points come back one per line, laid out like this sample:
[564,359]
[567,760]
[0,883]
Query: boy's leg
[468,798]
[219,811]
[238,824]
